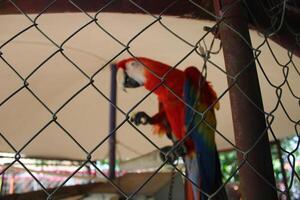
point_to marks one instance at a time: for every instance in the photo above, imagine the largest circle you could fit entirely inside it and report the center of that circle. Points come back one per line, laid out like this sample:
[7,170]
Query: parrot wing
[198,96]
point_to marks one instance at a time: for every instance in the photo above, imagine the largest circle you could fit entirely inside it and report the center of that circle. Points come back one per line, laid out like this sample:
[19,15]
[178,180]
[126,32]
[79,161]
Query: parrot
[183,97]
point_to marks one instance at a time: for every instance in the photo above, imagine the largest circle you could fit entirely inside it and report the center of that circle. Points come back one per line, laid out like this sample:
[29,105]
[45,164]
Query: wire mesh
[276,12]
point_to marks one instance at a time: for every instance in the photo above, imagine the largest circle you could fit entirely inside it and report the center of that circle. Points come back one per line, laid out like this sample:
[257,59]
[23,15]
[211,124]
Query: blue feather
[206,174]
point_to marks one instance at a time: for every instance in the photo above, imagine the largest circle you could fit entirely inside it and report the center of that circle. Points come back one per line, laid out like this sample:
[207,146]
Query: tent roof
[86,116]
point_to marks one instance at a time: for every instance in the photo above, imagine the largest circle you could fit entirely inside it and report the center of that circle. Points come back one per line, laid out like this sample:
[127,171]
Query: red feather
[169,93]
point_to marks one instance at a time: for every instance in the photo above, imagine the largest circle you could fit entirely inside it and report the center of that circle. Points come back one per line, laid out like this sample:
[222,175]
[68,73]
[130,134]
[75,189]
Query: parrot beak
[130,82]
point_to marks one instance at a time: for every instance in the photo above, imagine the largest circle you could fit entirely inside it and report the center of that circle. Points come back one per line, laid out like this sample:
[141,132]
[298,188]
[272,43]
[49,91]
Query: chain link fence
[277,25]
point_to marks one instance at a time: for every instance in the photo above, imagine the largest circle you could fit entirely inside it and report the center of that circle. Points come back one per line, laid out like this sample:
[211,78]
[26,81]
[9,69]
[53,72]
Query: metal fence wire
[276,13]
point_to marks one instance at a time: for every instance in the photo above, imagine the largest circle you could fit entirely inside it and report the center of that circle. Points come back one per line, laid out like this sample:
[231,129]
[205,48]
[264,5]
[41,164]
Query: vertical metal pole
[2,192]
[249,123]
[284,178]
[112,122]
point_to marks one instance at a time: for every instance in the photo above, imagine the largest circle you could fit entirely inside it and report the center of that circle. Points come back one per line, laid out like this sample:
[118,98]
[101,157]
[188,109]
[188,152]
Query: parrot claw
[172,156]
[140,118]
[166,155]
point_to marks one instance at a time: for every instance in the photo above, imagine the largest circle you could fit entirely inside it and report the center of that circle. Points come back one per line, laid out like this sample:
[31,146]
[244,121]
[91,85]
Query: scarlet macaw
[183,97]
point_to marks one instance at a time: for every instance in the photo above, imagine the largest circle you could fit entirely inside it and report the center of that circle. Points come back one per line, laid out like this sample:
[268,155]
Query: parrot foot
[171,156]
[140,118]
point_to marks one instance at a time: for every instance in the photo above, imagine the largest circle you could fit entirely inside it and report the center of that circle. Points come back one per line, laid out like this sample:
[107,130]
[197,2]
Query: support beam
[248,121]
[112,122]
[180,8]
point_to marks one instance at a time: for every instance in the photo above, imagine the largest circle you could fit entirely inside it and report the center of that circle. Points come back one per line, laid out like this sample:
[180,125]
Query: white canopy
[86,116]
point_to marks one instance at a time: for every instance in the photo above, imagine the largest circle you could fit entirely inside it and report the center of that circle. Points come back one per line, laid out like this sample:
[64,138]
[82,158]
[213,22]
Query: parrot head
[141,71]
[133,71]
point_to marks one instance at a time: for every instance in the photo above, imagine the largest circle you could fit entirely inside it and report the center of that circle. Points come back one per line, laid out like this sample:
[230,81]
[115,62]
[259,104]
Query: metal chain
[172,182]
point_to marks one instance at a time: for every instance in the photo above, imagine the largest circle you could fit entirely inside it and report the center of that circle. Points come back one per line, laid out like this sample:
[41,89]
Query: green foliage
[229,166]
[290,146]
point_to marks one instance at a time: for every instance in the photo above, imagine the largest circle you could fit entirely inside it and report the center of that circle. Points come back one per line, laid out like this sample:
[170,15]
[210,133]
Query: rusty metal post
[112,122]
[249,123]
